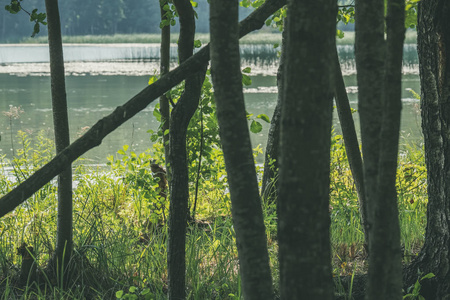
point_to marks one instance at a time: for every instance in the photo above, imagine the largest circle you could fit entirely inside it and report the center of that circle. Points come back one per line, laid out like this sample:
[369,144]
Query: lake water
[102,77]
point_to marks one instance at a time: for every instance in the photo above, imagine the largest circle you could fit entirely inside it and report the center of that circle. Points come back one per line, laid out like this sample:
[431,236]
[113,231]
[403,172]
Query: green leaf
[246,80]
[264,117]
[125,147]
[119,294]
[247,70]
[173,22]
[152,80]
[157,115]
[194,4]
[428,276]
[197,44]
[255,127]
[132,289]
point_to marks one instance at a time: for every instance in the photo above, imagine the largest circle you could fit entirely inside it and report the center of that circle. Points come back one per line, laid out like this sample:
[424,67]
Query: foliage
[119,230]
[414,290]
[37,18]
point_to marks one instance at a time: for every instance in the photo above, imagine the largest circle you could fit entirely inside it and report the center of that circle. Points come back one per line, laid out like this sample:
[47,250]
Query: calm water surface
[97,84]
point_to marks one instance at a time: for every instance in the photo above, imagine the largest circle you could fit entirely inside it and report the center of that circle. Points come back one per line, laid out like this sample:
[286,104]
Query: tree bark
[271,160]
[379,65]
[179,183]
[306,118]
[64,242]
[433,41]
[164,107]
[121,114]
[351,144]
[369,56]
[235,137]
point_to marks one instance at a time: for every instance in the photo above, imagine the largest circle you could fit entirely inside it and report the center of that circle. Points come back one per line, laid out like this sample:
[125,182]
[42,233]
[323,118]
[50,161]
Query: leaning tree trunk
[235,137]
[179,181]
[271,159]
[306,119]
[351,144]
[433,40]
[94,136]
[64,243]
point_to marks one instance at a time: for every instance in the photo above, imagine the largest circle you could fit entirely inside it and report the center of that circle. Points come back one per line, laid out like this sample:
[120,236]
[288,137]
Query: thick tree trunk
[271,160]
[64,243]
[235,137]
[94,136]
[164,107]
[179,183]
[306,118]
[434,62]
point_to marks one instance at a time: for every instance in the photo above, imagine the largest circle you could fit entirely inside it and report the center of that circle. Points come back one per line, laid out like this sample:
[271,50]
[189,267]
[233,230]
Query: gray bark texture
[235,137]
[64,242]
[380,109]
[94,136]
[434,62]
[351,144]
[270,177]
[306,118]
[179,182]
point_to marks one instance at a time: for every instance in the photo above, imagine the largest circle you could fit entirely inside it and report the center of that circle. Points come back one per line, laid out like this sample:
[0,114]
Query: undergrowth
[120,225]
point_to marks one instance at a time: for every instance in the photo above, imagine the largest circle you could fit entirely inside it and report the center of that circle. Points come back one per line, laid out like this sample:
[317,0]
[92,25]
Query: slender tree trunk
[179,184]
[271,159]
[235,137]
[306,118]
[379,65]
[433,40]
[164,69]
[369,56]
[351,144]
[64,243]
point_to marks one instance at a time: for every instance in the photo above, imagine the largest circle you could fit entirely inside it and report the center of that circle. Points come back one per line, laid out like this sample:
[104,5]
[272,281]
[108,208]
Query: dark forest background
[100,17]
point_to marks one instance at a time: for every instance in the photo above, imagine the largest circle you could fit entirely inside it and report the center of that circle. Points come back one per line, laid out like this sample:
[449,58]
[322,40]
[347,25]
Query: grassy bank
[120,227]
[254,38]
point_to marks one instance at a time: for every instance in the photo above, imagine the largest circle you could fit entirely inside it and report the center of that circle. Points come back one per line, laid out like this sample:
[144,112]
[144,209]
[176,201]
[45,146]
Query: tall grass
[120,229]
[253,38]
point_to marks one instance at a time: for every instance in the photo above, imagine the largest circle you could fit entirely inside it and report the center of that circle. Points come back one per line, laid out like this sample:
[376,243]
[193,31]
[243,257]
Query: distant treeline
[103,17]
[87,17]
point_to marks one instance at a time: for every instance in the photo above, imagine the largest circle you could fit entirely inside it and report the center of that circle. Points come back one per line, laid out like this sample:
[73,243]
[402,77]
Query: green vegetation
[120,225]
[254,38]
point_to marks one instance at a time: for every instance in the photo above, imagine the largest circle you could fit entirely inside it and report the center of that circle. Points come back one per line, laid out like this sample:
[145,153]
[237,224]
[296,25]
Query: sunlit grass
[120,237]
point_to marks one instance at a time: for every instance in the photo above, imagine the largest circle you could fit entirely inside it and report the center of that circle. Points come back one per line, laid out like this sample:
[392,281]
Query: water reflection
[95,88]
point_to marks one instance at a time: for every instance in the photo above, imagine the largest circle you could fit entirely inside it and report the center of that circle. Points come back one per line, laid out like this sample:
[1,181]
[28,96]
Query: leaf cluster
[38,18]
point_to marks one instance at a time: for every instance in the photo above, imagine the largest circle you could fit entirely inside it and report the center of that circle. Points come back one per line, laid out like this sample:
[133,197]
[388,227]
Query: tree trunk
[64,243]
[179,183]
[379,65]
[271,159]
[94,136]
[351,144]
[434,62]
[164,107]
[235,137]
[306,118]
